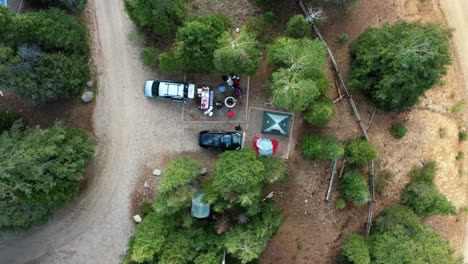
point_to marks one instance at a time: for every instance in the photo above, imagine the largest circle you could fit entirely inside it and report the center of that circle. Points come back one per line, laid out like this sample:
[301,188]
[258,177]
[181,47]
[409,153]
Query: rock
[147,185]
[90,83]
[87,97]
[204,172]
[137,219]
[157,172]
[237,30]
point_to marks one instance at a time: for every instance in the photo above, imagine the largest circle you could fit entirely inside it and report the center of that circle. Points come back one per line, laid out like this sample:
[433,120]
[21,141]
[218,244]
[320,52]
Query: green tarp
[276,123]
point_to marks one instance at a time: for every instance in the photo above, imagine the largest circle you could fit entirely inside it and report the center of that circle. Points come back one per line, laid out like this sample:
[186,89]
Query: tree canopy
[354,187]
[195,45]
[39,171]
[161,16]
[394,65]
[360,152]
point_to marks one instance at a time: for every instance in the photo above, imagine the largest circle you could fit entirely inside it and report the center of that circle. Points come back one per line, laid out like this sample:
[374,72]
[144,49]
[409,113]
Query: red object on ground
[274,142]
[231,114]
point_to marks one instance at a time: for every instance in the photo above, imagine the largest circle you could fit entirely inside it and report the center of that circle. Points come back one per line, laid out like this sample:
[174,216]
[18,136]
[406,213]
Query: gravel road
[131,132]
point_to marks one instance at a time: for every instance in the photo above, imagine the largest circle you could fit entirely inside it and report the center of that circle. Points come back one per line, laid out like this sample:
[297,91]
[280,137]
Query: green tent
[276,123]
[199,209]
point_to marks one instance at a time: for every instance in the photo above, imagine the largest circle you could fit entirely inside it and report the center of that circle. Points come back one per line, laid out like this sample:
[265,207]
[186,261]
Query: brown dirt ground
[313,230]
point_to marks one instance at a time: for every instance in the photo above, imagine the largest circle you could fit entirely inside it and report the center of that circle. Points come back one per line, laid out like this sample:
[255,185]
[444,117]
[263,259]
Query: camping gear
[230,102]
[231,114]
[265,147]
[199,209]
[221,89]
[276,123]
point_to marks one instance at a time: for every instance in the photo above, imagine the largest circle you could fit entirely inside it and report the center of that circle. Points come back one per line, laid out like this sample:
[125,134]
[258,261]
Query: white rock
[137,219]
[90,83]
[306,201]
[204,171]
[157,172]
[147,185]
[87,97]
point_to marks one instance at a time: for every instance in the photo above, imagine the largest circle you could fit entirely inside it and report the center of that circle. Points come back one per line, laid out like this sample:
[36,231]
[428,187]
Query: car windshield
[236,139]
[227,140]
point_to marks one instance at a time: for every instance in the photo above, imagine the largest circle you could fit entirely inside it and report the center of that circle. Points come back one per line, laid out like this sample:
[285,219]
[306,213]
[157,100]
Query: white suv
[169,90]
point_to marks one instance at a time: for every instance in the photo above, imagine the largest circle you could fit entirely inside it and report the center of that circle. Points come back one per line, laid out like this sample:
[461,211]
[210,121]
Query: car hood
[148,87]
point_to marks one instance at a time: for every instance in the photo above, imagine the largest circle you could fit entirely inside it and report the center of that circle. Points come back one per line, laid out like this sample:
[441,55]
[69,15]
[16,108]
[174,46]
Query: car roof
[171,89]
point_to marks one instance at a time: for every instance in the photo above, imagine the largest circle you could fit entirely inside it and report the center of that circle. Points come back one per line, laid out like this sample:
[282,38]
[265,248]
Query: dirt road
[456,13]
[132,133]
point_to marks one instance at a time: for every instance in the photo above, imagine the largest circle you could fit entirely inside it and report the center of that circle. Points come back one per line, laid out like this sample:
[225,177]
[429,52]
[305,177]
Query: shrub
[360,152]
[458,107]
[149,56]
[317,147]
[343,38]
[162,17]
[269,16]
[7,119]
[422,195]
[383,179]
[340,203]
[354,188]
[415,59]
[275,169]
[355,250]
[398,130]
[41,170]
[320,112]
[298,27]
[460,155]
[462,135]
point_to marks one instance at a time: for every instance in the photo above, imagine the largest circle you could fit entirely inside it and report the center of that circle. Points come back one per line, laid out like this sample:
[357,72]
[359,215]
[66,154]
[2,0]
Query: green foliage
[238,178]
[39,171]
[275,169]
[460,155]
[340,203]
[383,179]
[422,195]
[458,107]
[396,64]
[269,16]
[319,112]
[7,119]
[57,76]
[149,56]
[343,38]
[175,192]
[354,188]
[298,27]
[196,42]
[299,81]
[317,147]
[161,16]
[398,130]
[355,250]
[360,152]
[462,135]
[398,237]
[146,208]
[237,52]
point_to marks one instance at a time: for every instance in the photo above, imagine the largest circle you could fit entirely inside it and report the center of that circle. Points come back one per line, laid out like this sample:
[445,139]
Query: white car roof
[171,89]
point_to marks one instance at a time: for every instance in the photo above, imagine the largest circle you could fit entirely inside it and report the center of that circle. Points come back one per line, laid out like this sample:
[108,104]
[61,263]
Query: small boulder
[87,97]
[90,83]
[157,172]
[204,172]
[137,219]
[147,185]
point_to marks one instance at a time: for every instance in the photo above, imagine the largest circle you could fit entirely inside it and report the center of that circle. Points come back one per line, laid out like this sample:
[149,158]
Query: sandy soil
[132,133]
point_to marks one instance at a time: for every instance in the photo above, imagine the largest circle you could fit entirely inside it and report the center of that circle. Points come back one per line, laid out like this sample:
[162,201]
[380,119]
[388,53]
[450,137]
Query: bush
[340,203]
[238,52]
[196,42]
[162,17]
[462,135]
[422,195]
[7,119]
[298,27]
[355,250]
[149,56]
[382,180]
[398,130]
[460,155]
[354,188]
[415,59]
[320,112]
[360,152]
[343,38]
[275,169]
[317,147]
[41,170]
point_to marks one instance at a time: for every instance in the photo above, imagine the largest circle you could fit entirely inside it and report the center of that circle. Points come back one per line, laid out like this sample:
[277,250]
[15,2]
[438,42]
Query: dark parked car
[220,139]
[169,90]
